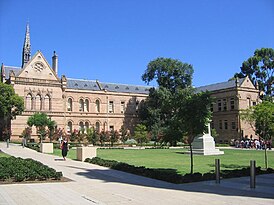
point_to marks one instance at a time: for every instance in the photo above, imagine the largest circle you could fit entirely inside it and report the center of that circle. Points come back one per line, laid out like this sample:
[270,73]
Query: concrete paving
[92,184]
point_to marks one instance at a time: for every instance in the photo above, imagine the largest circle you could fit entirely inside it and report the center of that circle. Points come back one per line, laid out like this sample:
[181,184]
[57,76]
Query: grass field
[175,159]
[2,154]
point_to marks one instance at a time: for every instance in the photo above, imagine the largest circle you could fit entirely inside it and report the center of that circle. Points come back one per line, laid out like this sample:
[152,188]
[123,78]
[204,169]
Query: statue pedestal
[86,152]
[205,145]
[46,147]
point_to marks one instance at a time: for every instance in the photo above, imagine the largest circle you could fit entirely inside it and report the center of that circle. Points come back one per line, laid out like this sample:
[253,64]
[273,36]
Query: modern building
[76,103]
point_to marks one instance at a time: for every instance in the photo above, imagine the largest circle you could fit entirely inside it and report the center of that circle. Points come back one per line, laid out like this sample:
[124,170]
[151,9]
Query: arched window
[28,103]
[47,103]
[69,105]
[86,105]
[69,127]
[97,126]
[86,126]
[97,106]
[81,105]
[81,126]
[38,104]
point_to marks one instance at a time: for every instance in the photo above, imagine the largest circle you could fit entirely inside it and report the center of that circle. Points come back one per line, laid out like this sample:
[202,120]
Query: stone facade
[76,103]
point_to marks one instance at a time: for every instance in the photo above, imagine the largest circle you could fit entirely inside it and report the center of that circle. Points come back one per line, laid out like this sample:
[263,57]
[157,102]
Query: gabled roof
[112,87]
[7,69]
[219,86]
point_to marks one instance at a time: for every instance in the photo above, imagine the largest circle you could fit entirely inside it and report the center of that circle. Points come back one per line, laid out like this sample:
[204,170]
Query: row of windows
[84,106]
[224,125]
[223,105]
[85,125]
[38,102]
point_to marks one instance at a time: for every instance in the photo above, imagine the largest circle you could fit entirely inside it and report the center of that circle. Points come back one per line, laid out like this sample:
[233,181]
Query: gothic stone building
[76,103]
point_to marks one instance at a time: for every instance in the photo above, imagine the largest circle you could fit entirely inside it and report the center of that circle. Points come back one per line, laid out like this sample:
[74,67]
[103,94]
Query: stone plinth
[46,148]
[86,152]
[205,145]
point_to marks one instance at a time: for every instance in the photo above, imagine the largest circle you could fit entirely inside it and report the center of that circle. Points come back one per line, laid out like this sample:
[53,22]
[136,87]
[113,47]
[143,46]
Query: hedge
[171,175]
[14,169]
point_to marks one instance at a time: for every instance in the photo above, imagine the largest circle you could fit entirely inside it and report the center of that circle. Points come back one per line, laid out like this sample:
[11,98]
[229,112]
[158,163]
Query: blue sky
[114,40]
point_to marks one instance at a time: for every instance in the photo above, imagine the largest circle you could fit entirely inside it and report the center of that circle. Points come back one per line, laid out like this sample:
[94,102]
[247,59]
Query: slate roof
[112,87]
[7,69]
[82,84]
[219,86]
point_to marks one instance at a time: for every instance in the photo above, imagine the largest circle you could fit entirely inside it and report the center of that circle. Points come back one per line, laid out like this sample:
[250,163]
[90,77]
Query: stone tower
[26,49]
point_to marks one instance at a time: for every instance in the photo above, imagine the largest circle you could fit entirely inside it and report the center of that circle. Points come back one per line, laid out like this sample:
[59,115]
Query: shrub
[171,175]
[18,169]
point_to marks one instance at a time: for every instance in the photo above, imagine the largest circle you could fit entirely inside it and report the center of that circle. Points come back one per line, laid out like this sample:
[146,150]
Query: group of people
[253,144]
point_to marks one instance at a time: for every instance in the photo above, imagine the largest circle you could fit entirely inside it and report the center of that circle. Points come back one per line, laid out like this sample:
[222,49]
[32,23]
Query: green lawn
[175,159]
[2,154]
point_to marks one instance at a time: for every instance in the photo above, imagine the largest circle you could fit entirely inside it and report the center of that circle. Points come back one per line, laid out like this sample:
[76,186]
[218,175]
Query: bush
[171,175]
[18,170]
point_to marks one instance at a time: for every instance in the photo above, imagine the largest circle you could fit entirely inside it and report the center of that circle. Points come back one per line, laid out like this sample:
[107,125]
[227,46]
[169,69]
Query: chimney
[55,62]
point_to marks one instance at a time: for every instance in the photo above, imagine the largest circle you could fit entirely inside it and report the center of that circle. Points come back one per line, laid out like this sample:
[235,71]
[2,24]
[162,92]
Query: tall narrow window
[220,124]
[47,103]
[232,103]
[219,105]
[86,105]
[233,125]
[225,124]
[97,106]
[69,127]
[211,107]
[137,106]
[122,107]
[69,105]
[28,104]
[81,127]
[97,126]
[81,105]
[86,126]
[224,105]
[110,107]
[38,104]
[248,102]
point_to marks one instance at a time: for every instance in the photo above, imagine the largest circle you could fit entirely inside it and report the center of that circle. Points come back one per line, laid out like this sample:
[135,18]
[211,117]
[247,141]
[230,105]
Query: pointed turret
[3,74]
[26,49]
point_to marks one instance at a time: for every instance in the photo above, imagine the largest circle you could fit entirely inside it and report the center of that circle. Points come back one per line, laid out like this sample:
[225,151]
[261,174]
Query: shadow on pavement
[227,187]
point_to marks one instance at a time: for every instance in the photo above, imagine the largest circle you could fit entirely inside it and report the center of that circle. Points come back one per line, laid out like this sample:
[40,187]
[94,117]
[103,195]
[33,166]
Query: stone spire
[26,49]
[3,74]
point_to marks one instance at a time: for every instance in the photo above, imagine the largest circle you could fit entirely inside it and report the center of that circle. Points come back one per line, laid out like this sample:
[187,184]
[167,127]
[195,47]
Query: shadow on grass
[229,166]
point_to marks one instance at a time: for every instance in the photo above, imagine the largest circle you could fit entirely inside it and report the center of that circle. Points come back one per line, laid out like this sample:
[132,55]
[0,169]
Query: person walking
[64,148]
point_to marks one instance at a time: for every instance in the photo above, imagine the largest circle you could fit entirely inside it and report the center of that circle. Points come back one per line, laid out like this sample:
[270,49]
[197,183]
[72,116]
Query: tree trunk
[191,159]
[265,157]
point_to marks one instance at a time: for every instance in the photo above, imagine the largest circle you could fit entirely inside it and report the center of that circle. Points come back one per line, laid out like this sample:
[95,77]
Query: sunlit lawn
[2,154]
[175,159]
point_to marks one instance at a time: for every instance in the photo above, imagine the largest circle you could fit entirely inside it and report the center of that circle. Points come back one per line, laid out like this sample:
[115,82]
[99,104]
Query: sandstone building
[76,103]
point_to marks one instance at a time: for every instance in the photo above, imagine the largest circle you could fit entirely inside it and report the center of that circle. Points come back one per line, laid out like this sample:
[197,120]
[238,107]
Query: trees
[41,121]
[124,134]
[140,133]
[261,119]
[174,109]
[92,136]
[260,68]
[10,105]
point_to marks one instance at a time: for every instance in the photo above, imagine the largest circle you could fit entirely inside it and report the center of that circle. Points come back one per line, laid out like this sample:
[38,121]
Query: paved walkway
[92,184]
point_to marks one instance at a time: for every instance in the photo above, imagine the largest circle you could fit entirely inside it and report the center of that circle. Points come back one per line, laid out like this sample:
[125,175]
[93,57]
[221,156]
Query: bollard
[8,142]
[217,170]
[252,174]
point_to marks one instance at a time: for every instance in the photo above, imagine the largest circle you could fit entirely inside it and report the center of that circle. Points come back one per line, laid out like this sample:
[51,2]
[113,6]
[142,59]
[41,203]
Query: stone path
[92,184]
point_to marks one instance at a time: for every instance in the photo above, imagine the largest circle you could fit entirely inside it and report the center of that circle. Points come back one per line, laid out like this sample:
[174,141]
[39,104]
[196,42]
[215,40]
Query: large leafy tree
[260,68]
[169,73]
[174,106]
[11,105]
[261,119]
